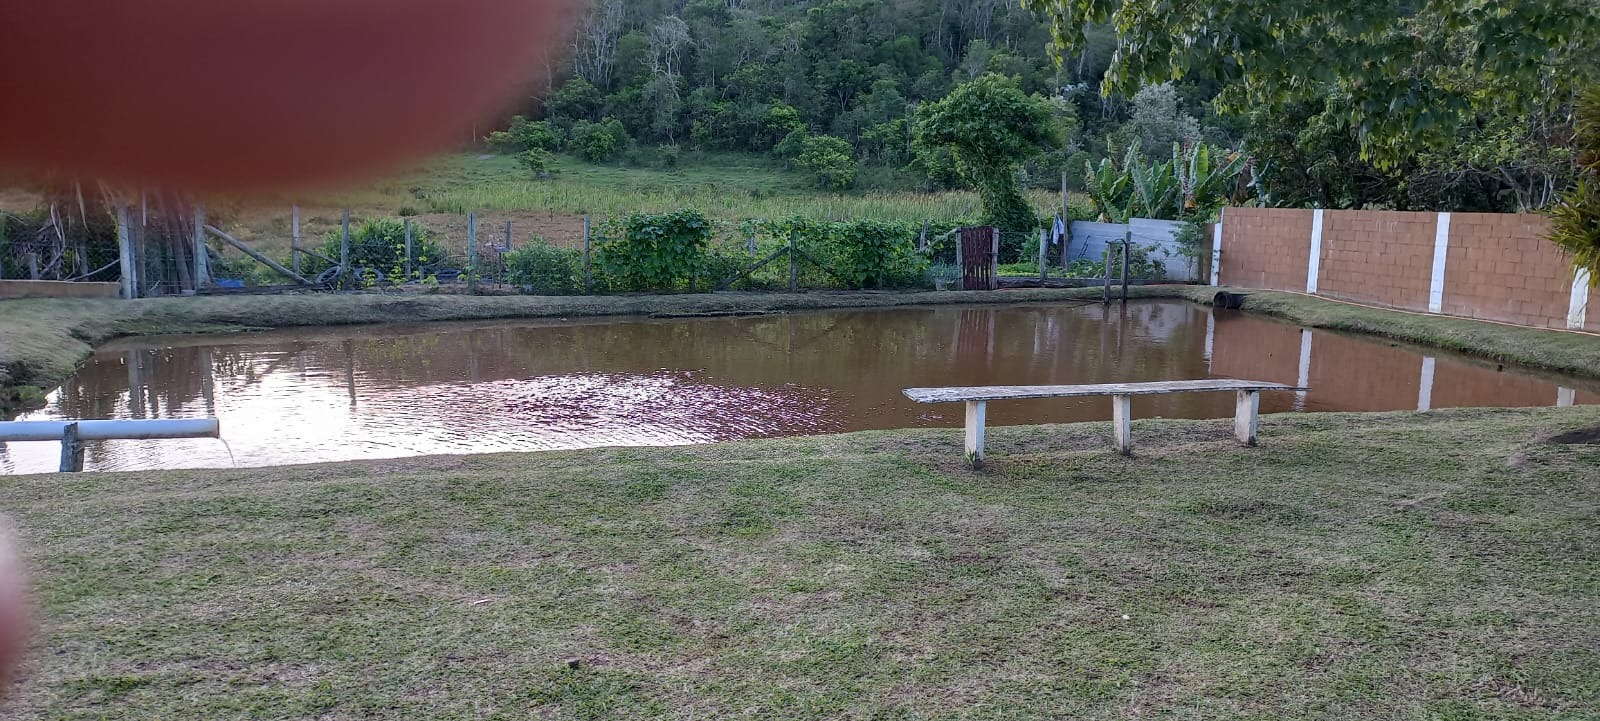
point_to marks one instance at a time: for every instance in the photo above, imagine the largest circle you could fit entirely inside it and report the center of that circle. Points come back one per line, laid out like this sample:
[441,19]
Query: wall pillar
[1441,249]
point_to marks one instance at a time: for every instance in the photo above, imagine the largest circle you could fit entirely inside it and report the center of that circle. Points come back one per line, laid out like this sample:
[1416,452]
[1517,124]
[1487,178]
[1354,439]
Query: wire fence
[181,253]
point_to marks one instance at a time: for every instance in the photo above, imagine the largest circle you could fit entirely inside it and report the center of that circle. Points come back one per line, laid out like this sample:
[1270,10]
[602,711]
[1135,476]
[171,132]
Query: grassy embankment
[1353,567]
[42,341]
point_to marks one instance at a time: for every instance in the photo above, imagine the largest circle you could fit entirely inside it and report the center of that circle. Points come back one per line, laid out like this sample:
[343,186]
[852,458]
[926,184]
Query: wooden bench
[1245,418]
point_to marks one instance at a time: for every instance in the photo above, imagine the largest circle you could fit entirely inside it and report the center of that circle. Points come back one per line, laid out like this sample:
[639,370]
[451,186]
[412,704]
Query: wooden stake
[294,238]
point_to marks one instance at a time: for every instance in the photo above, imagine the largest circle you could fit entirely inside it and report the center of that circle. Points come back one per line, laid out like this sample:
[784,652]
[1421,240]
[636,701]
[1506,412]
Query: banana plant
[1108,190]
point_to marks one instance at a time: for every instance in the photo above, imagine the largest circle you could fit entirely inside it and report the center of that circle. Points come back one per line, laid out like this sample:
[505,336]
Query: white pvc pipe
[108,430]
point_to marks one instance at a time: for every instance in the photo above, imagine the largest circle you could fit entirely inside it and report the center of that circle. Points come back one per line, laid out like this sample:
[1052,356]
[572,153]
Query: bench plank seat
[1006,393]
[1245,419]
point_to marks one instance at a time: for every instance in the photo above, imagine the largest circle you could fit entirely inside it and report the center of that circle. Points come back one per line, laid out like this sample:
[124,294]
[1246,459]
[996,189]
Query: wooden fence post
[130,268]
[961,264]
[344,251]
[1105,270]
[33,265]
[472,253]
[508,236]
[294,238]
[794,266]
[202,264]
[71,449]
[1043,234]
[410,252]
[588,278]
[1125,246]
[994,258]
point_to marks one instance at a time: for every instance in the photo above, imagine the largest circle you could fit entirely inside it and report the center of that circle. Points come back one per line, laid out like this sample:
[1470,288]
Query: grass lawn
[1395,566]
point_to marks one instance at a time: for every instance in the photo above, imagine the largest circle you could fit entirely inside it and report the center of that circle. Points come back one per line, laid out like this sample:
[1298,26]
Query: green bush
[655,251]
[830,160]
[544,269]
[599,142]
[380,244]
[524,135]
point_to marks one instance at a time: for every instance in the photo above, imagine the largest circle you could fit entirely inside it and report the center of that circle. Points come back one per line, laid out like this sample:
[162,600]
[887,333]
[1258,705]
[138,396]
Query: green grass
[727,186]
[1353,567]
[42,341]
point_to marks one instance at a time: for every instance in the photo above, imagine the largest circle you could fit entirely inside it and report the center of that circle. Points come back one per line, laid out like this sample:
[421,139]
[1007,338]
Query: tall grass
[725,187]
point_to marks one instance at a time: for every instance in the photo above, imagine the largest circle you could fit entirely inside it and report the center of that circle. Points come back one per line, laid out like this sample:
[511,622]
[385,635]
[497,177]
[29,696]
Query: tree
[577,99]
[991,127]
[594,46]
[1577,218]
[1398,63]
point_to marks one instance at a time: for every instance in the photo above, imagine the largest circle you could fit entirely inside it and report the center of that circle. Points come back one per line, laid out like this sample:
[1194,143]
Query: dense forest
[833,87]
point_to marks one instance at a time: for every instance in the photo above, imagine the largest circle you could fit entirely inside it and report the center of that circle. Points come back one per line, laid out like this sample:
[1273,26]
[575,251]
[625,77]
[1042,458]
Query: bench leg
[1247,417]
[1122,432]
[976,412]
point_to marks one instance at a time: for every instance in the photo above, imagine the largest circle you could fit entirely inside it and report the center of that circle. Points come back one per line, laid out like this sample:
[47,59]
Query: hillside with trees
[834,87]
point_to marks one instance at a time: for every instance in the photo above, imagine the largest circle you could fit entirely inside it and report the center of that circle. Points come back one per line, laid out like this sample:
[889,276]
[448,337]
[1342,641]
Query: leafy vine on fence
[655,251]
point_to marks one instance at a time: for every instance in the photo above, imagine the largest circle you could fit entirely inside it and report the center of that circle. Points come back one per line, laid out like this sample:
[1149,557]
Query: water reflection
[333,394]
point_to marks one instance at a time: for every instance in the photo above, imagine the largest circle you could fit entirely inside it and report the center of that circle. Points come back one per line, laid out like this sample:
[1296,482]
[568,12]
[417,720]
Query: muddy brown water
[393,391]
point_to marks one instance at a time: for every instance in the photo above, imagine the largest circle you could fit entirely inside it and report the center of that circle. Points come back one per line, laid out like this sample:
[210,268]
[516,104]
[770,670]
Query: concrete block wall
[1476,265]
[1265,248]
[1377,257]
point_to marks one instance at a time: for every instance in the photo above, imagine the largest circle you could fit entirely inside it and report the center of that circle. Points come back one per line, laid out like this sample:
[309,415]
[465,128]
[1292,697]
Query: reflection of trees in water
[867,353]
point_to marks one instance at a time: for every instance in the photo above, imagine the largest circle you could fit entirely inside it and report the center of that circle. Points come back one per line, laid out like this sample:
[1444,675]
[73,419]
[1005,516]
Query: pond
[332,394]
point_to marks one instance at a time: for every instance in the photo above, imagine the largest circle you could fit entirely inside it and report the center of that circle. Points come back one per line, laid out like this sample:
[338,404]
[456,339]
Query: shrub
[524,135]
[831,161]
[1140,265]
[792,144]
[542,268]
[536,160]
[599,142]
[859,253]
[380,244]
[655,251]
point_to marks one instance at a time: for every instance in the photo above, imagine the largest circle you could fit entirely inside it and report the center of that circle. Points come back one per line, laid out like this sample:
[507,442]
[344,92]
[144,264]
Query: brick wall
[1497,266]
[1377,257]
[1265,248]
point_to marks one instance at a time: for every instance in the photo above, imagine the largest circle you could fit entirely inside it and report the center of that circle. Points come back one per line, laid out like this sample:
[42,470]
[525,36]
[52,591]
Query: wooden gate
[980,250]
